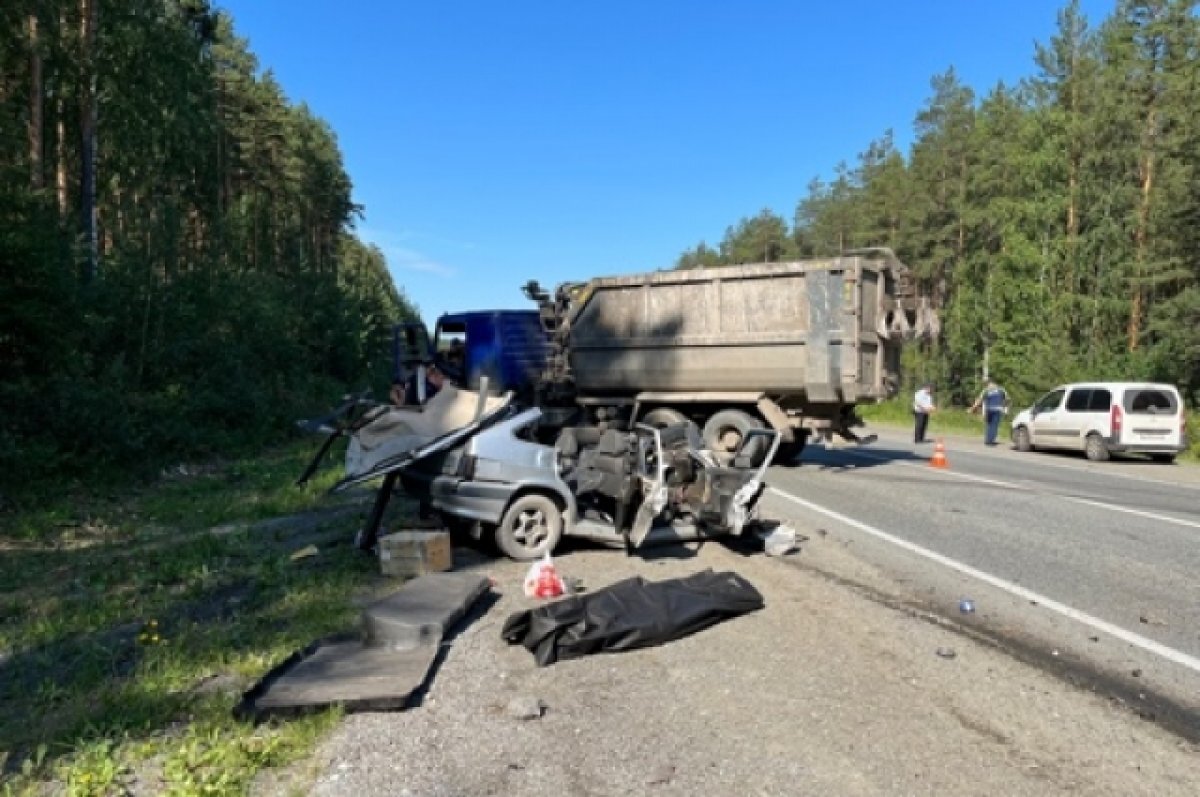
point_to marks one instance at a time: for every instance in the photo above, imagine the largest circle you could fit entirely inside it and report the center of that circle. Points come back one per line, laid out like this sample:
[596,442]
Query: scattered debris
[1136,673]
[946,653]
[1149,619]
[543,580]
[966,606]
[1093,639]
[378,669]
[415,553]
[780,541]
[524,707]
[304,553]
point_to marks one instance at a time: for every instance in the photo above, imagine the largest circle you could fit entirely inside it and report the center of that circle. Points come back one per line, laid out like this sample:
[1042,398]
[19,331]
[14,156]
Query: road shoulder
[830,689]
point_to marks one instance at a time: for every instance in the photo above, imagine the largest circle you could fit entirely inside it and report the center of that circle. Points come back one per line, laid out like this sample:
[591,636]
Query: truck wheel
[662,417]
[531,527]
[1095,449]
[723,432]
[1021,439]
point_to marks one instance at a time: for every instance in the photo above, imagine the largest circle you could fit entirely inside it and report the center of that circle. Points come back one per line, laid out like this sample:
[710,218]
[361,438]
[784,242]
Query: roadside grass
[129,626]
[947,419]
[956,420]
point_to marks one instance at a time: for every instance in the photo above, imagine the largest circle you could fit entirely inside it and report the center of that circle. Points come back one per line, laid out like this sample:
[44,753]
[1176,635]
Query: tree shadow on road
[855,457]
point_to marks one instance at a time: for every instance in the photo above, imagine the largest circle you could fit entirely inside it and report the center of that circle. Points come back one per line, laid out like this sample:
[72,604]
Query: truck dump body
[821,331]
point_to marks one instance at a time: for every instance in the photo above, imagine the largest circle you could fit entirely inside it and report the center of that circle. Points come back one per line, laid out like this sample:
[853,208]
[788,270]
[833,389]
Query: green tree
[764,238]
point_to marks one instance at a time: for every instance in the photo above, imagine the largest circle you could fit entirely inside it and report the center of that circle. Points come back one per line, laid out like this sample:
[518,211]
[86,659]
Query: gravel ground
[825,691]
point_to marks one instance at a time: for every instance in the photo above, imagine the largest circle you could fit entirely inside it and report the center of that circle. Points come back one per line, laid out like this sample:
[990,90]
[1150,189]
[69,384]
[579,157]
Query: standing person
[922,407]
[993,400]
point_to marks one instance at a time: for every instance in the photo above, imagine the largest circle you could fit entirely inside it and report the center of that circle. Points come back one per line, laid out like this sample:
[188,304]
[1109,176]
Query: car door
[1046,420]
[1075,418]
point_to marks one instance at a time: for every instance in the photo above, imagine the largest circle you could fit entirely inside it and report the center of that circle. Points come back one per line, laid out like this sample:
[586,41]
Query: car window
[1100,401]
[1050,401]
[1079,399]
[1151,401]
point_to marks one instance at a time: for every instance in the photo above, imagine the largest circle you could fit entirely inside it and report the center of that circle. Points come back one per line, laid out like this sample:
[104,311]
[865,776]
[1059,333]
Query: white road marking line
[1137,640]
[1131,511]
[1026,488]
[1045,461]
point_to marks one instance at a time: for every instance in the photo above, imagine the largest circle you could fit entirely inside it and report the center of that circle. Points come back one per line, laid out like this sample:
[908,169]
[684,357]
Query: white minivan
[1103,418]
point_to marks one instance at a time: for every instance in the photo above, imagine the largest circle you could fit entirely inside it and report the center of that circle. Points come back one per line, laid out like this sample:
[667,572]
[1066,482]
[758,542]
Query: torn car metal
[478,461]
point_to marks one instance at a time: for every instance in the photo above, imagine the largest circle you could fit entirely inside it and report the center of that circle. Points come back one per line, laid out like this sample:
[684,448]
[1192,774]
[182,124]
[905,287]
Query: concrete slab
[421,611]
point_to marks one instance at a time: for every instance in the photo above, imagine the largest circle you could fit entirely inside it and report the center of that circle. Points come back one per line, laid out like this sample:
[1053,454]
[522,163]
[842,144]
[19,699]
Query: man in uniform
[923,407]
[993,401]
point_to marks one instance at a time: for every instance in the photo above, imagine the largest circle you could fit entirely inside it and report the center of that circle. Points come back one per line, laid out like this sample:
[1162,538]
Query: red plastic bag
[543,580]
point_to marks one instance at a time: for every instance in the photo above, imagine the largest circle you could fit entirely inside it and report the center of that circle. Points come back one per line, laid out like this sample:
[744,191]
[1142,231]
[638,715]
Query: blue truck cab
[509,347]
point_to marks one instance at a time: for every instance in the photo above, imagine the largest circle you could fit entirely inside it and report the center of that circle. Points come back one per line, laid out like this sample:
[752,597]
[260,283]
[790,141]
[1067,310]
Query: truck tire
[663,416]
[530,528]
[723,432]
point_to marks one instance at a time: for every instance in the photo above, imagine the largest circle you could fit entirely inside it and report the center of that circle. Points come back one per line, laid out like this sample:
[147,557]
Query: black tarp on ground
[630,614]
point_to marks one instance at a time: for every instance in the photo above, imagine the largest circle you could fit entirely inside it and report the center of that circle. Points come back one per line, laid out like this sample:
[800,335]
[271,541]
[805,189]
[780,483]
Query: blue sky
[492,143]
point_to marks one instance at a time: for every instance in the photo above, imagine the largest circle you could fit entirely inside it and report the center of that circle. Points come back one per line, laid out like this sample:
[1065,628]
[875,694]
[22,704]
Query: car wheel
[530,528]
[1166,459]
[724,431]
[1095,448]
[1021,439]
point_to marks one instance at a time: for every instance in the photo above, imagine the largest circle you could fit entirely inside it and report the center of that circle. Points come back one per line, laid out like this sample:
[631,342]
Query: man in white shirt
[922,408]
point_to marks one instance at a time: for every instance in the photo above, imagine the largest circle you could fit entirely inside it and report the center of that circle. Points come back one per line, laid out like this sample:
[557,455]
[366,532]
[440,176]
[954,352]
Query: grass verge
[129,626]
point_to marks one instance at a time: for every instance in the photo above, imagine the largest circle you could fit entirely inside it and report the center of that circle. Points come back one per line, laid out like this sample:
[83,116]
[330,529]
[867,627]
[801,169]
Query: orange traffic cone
[938,460]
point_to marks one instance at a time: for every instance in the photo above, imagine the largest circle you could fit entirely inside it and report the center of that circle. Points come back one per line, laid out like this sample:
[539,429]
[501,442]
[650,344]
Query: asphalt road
[1094,567]
[859,676]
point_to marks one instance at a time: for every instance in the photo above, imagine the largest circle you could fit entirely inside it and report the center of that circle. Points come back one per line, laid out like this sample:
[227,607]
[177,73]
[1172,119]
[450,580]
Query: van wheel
[1095,449]
[1166,459]
[724,431]
[530,528]
[1021,439]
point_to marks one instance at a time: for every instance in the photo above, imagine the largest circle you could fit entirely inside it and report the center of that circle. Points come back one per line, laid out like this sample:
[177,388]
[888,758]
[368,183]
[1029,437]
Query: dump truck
[650,403]
[790,346]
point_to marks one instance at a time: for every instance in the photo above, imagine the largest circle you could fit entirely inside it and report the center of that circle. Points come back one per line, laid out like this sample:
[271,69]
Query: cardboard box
[415,553]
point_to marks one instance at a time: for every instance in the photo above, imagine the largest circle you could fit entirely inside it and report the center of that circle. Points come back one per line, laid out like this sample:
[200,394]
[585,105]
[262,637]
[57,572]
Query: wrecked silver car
[479,462]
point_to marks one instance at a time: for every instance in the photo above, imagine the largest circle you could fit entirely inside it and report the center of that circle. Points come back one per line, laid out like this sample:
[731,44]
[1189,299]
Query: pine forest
[1056,222]
[180,274]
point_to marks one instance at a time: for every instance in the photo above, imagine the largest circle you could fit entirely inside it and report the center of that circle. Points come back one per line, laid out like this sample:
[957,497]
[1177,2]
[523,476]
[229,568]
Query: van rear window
[1151,401]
